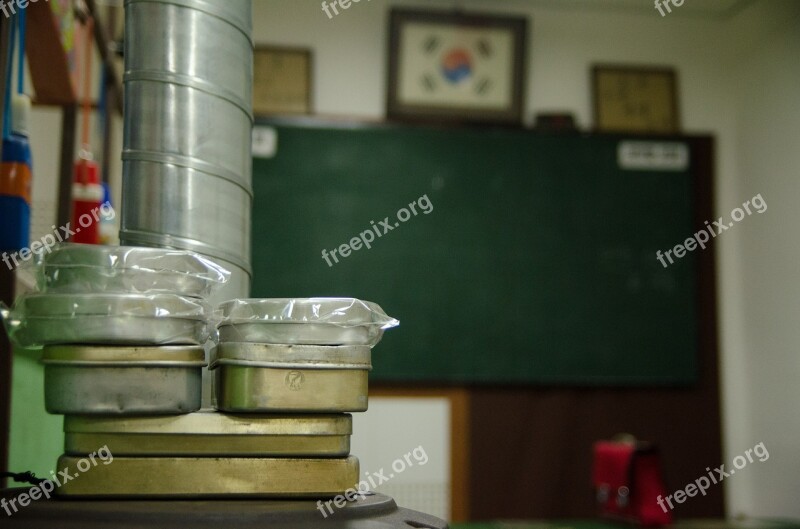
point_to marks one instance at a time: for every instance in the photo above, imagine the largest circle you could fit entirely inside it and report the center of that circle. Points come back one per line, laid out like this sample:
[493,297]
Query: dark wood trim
[103,40]
[336,121]
[6,370]
[48,64]
[47,60]
[69,120]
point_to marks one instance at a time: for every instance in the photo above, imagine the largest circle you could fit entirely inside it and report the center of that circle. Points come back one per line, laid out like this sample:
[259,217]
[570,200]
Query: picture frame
[456,67]
[635,99]
[282,83]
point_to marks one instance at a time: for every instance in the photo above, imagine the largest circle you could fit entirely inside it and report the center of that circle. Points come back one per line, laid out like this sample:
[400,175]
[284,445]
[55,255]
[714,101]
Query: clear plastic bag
[303,321]
[87,268]
[39,319]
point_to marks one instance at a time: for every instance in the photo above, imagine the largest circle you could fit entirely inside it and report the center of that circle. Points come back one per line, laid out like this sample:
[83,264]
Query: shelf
[48,62]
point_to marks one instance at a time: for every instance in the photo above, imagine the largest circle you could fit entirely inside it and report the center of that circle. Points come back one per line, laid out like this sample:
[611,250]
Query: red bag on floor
[628,482]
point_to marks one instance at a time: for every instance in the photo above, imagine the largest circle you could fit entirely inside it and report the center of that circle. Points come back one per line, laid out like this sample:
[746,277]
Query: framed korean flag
[446,66]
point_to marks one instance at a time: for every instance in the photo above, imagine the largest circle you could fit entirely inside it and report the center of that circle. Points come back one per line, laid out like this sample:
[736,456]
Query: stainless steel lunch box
[294,333]
[117,330]
[83,380]
[209,434]
[133,319]
[87,268]
[158,477]
[291,378]
[303,321]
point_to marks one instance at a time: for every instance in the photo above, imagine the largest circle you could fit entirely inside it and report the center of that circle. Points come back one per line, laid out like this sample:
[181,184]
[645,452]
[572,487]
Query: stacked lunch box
[309,355]
[122,330]
[301,358]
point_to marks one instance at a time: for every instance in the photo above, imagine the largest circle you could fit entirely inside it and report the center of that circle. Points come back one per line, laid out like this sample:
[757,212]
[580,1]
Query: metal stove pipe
[187,125]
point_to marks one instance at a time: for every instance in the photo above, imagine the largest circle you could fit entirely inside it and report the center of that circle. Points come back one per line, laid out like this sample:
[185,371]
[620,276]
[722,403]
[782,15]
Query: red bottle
[87,197]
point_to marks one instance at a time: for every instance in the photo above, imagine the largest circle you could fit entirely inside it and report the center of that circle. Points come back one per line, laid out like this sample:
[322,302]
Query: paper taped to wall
[652,156]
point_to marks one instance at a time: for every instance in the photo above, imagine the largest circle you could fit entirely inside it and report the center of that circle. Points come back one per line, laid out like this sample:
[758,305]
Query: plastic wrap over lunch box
[88,268]
[160,319]
[303,321]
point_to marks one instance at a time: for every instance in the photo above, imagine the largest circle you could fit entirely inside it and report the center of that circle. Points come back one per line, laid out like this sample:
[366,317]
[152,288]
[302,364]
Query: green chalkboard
[536,265]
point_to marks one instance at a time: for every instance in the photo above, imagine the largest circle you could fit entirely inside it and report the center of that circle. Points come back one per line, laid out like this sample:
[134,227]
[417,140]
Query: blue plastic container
[15,182]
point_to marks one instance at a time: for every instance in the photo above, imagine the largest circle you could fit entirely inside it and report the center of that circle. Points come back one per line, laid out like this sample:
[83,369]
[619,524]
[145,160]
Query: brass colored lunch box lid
[209,423]
[171,477]
[209,434]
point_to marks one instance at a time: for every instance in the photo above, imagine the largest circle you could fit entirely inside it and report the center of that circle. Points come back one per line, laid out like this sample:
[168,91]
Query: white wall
[762,280]
[350,52]
[389,431]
